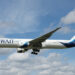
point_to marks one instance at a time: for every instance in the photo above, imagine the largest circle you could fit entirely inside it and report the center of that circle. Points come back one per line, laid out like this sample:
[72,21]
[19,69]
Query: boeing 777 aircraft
[41,42]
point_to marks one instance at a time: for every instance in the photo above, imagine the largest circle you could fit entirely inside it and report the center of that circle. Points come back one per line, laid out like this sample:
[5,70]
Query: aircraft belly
[9,46]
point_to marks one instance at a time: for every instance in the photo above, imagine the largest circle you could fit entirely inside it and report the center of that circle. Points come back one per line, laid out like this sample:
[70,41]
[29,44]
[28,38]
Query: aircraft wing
[36,44]
[43,37]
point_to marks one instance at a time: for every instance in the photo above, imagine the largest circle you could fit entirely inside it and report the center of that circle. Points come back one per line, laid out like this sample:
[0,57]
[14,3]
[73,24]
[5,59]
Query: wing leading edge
[44,37]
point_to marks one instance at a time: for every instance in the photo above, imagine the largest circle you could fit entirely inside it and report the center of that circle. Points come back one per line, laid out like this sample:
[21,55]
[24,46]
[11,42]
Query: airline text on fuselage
[6,41]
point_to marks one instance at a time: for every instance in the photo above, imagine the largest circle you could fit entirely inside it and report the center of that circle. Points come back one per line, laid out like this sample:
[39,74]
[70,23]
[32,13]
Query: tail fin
[73,39]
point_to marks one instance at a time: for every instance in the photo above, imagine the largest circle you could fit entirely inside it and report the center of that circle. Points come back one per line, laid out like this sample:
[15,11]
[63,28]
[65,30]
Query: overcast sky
[30,19]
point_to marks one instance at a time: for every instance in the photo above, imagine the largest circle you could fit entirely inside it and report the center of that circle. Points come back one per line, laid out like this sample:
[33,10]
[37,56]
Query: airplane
[42,42]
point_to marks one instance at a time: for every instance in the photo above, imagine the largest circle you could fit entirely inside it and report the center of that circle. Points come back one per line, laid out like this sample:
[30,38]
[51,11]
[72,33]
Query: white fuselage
[55,44]
[17,43]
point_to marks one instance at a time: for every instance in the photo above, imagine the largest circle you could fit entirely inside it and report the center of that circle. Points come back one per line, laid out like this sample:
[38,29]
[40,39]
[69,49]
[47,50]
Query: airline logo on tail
[73,40]
[71,43]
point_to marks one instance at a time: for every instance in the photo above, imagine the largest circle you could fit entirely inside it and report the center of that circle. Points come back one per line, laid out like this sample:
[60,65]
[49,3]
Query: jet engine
[21,50]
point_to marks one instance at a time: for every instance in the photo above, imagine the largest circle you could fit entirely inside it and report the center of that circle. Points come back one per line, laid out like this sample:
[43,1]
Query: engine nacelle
[21,50]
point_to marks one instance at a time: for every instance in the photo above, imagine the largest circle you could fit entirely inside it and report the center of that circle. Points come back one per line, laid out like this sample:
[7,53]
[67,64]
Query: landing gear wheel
[36,50]
[34,53]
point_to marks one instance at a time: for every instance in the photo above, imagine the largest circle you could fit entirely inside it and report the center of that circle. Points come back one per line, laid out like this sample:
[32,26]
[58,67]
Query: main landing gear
[35,51]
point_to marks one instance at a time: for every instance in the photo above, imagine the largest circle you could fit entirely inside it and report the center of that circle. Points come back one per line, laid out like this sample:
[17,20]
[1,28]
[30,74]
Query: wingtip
[59,27]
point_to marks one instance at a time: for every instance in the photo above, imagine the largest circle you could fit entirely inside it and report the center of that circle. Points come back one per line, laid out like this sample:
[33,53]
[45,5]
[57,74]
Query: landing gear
[35,51]
[19,51]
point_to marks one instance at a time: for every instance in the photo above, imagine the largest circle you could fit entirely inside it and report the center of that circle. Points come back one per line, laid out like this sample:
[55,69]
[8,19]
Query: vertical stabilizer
[73,39]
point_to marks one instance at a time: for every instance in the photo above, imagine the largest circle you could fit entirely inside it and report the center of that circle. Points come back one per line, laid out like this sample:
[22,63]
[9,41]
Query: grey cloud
[66,30]
[65,22]
[69,18]
[39,65]
[6,51]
